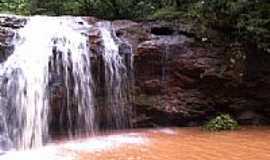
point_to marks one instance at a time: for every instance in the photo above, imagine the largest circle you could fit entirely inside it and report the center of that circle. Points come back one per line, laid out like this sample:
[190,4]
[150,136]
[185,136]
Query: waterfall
[116,80]
[69,71]
[47,86]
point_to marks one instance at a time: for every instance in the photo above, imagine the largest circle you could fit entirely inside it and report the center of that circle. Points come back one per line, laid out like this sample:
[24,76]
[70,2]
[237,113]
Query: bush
[166,13]
[222,122]
[244,20]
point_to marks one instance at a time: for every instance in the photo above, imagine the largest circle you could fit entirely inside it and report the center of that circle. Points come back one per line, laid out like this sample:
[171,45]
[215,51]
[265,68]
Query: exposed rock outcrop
[183,78]
[14,22]
[8,25]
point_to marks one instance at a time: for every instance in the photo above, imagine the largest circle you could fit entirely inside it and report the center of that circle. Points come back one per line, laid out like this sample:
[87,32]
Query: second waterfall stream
[48,84]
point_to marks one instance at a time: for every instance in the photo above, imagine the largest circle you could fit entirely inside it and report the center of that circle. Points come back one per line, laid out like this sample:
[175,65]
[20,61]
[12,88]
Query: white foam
[166,131]
[45,153]
[70,150]
[105,143]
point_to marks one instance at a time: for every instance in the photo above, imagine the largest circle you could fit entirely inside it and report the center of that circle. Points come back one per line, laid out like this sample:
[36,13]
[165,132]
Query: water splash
[70,150]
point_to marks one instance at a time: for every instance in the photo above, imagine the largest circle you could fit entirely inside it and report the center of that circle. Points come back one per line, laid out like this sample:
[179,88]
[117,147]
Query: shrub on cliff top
[221,122]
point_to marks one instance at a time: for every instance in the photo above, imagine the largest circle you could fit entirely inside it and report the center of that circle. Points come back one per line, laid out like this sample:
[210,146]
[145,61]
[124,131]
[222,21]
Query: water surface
[192,144]
[252,143]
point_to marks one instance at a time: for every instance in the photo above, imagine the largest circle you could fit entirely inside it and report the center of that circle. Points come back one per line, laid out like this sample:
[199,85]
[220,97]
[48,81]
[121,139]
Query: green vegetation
[240,20]
[244,21]
[110,9]
[221,122]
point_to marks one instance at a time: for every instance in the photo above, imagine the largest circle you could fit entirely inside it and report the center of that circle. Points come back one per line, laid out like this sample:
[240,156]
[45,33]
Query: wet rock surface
[181,78]
[13,22]
[8,25]
[6,47]
[184,79]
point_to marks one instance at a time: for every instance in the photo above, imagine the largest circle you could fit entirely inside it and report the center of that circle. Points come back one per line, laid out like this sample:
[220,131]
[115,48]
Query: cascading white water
[116,80]
[71,63]
[26,76]
[51,61]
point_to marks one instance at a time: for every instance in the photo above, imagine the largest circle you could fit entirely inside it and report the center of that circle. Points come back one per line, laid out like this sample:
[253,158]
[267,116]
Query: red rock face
[167,69]
[181,80]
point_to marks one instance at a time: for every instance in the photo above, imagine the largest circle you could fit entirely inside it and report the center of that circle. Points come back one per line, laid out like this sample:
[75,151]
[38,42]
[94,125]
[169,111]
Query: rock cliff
[183,78]
[180,77]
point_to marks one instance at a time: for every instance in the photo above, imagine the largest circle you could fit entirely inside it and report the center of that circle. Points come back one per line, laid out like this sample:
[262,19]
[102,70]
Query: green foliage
[221,122]
[241,20]
[120,9]
[166,13]
[15,6]
[109,9]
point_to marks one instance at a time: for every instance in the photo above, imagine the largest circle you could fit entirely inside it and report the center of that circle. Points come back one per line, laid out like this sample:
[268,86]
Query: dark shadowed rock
[8,26]
[13,22]
[6,46]
[131,32]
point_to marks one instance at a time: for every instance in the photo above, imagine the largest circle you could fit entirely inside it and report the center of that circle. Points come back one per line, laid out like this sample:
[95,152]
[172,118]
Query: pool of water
[251,143]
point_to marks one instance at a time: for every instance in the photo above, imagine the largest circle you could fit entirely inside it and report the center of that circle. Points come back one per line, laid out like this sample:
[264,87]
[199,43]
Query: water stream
[51,61]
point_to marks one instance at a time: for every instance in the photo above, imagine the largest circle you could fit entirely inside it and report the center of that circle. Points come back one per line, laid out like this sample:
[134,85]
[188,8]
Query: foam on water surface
[169,131]
[70,150]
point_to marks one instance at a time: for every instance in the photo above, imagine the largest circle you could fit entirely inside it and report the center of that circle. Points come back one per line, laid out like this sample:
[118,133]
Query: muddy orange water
[251,143]
[192,144]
